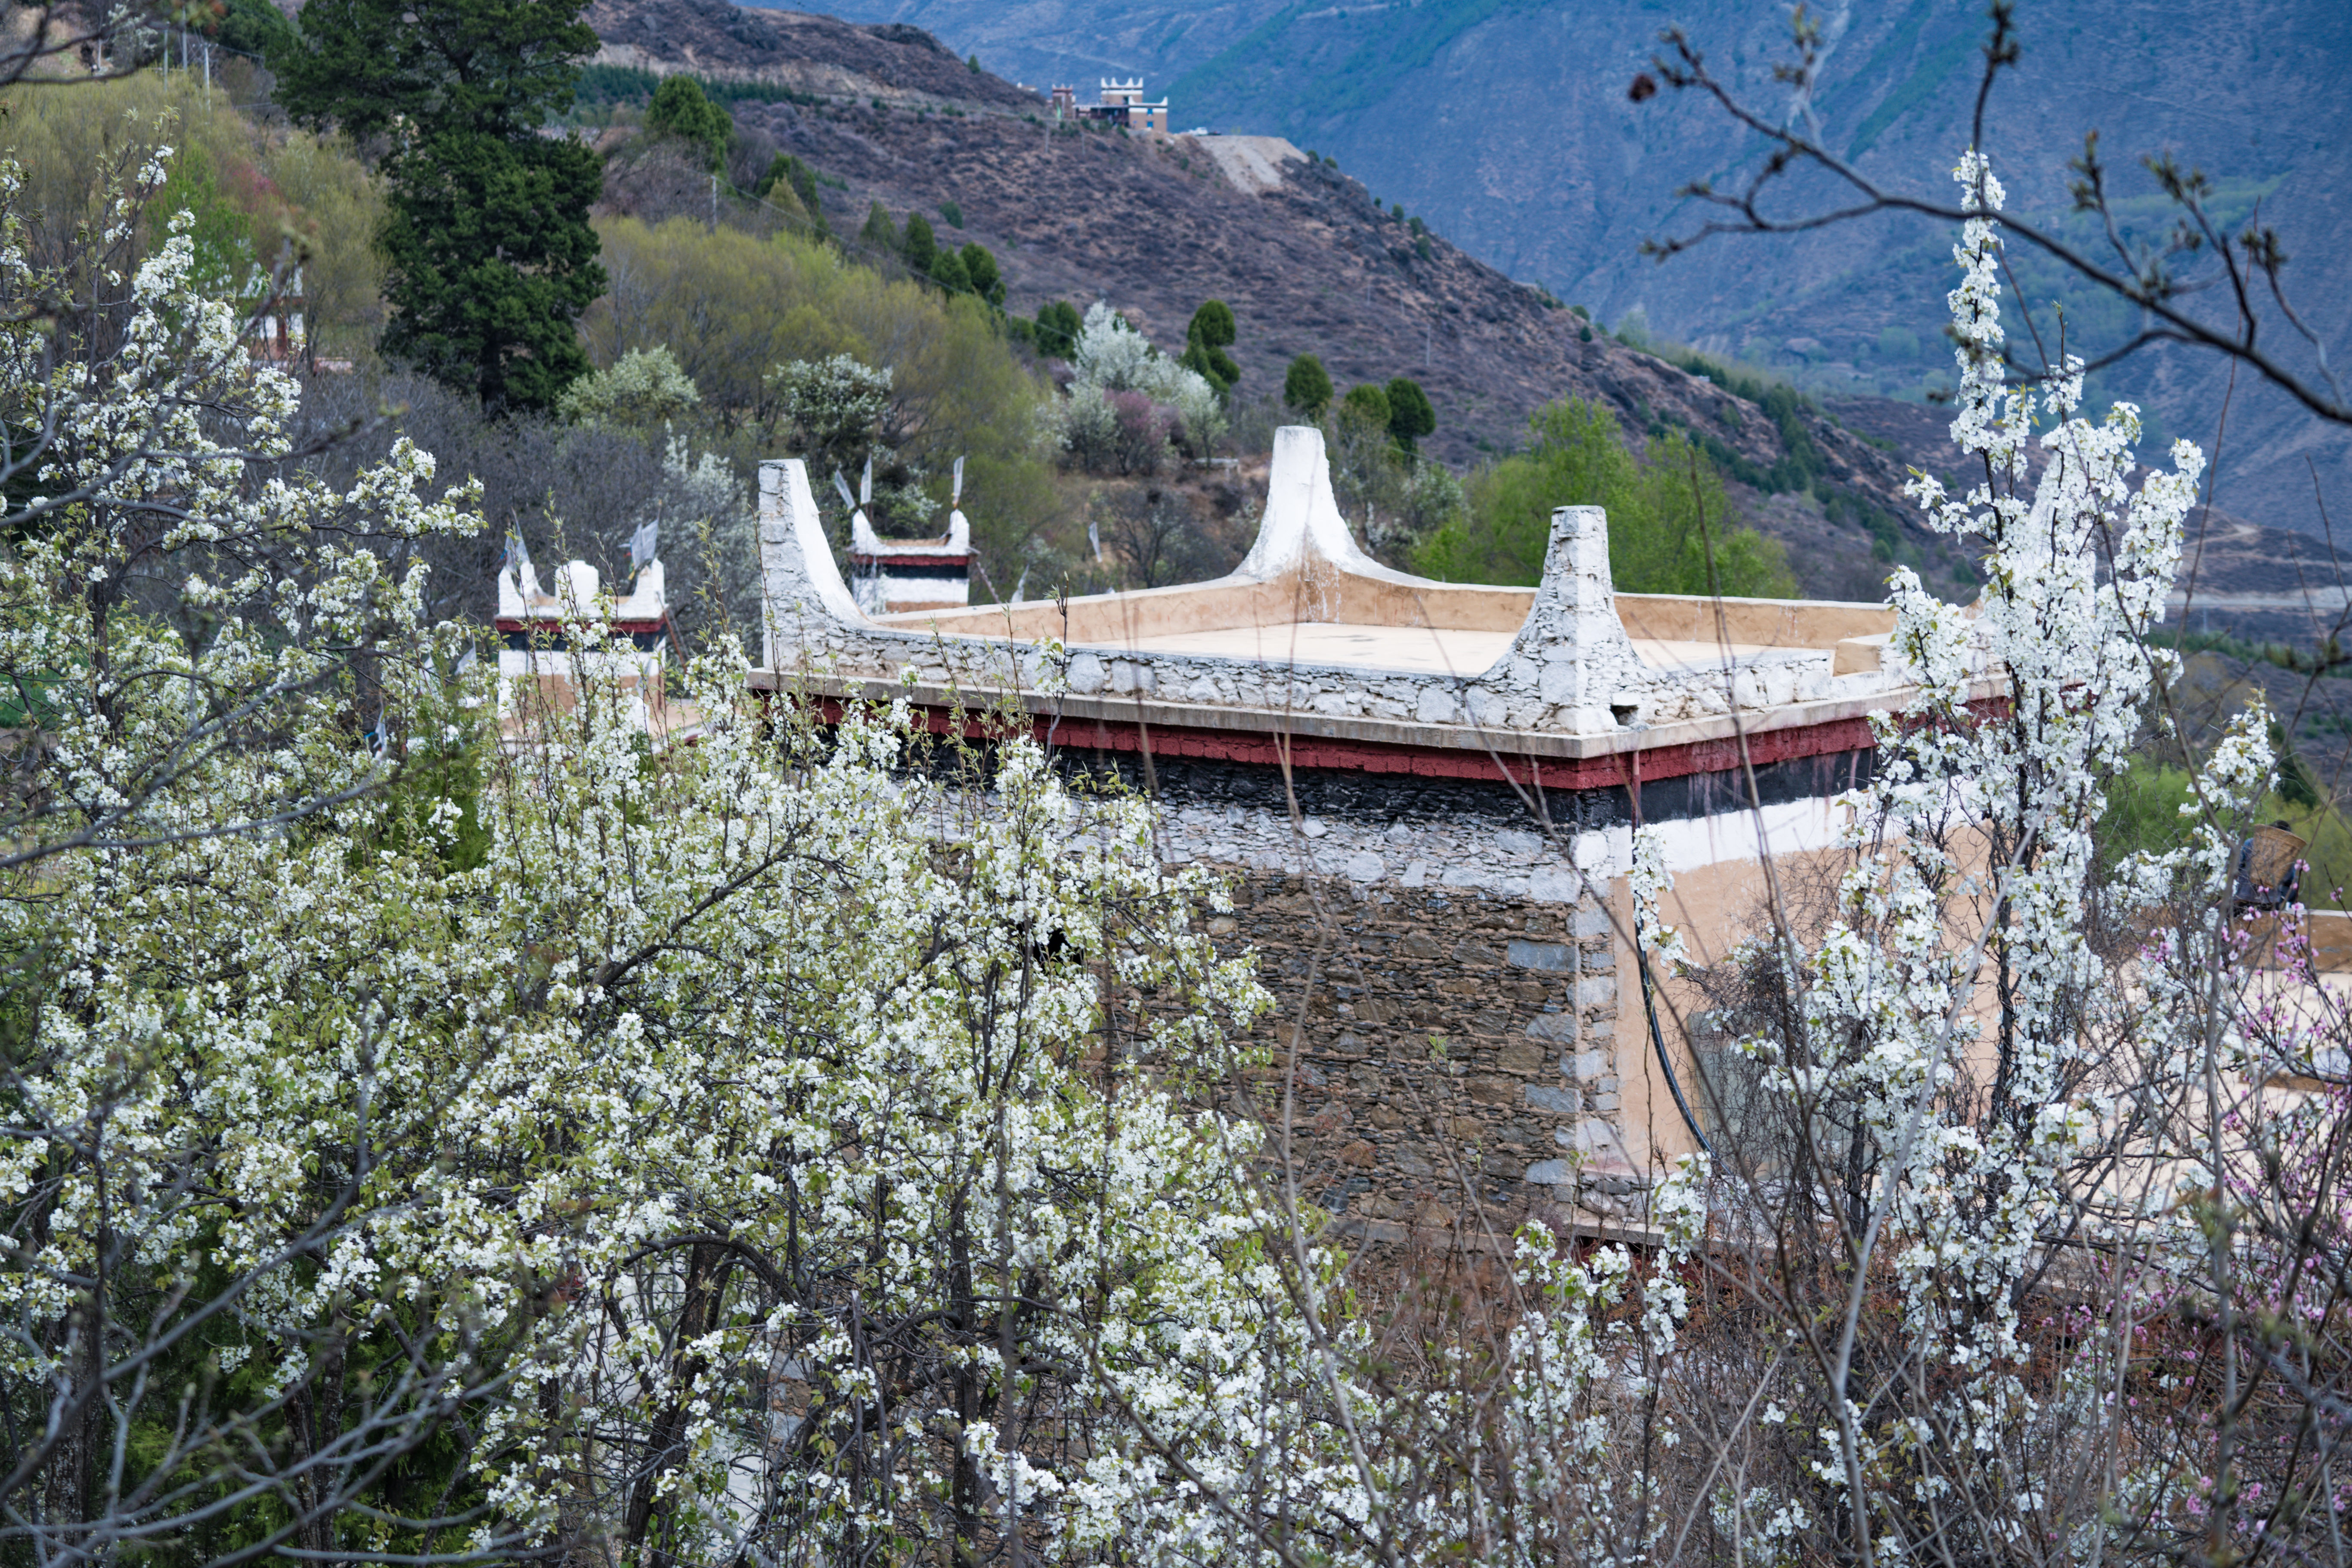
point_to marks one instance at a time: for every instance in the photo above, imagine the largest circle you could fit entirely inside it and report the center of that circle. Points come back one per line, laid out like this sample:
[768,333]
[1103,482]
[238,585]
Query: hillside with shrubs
[1316,266]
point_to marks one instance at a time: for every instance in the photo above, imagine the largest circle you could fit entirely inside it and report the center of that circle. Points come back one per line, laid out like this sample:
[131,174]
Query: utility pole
[714,204]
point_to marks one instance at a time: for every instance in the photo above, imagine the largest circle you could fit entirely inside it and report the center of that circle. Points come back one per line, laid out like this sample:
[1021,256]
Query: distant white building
[1120,103]
[534,645]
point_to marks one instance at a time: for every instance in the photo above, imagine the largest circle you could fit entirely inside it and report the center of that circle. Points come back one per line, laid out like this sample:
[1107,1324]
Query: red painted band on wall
[1262,750]
[886,561]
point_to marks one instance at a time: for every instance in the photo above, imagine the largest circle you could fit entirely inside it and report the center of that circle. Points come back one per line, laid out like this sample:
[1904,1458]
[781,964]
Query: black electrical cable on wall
[1649,991]
[1658,1038]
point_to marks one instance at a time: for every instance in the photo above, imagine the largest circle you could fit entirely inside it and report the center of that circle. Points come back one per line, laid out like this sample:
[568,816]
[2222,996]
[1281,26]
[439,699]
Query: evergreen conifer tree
[1057,329]
[920,247]
[1368,406]
[486,225]
[680,110]
[948,272]
[1410,417]
[1205,342]
[1307,387]
[987,277]
[789,173]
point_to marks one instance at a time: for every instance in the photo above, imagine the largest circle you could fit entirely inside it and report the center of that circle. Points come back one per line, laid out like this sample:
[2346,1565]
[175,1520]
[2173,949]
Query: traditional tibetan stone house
[1466,764]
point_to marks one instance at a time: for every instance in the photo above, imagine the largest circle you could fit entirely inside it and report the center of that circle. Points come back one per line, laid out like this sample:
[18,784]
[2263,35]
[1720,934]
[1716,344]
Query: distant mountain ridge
[1507,125]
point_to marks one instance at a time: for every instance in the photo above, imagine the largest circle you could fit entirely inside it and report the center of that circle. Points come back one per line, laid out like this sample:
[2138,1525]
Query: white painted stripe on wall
[1793,826]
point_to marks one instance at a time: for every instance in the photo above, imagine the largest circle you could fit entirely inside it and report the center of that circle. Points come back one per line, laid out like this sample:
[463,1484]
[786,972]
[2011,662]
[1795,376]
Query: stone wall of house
[1454,1040]
[1473,1017]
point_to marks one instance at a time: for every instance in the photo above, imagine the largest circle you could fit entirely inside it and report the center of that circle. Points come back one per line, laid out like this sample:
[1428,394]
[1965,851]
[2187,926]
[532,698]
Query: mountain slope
[1155,226]
[1507,124]
[800,51]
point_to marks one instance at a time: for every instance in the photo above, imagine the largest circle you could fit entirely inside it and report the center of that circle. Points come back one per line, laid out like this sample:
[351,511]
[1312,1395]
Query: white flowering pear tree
[200,659]
[1996,1082]
[895,1227]
[422,1142]
[169,616]
[416,1147]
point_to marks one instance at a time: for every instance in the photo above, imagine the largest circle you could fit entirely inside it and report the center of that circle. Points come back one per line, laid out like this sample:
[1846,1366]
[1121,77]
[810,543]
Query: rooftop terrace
[1310,636]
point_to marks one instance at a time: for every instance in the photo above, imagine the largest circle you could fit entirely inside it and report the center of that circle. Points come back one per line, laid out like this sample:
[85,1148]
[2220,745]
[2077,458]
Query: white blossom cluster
[644,387]
[1963,1050]
[831,400]
[1648,880]
[1112,357]
[167,598]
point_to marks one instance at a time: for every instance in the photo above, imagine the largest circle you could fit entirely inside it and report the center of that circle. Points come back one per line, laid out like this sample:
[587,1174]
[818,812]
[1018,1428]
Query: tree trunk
[705,1281]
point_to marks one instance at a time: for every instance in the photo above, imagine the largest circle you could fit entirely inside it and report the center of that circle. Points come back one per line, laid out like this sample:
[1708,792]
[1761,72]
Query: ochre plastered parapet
[1572,673]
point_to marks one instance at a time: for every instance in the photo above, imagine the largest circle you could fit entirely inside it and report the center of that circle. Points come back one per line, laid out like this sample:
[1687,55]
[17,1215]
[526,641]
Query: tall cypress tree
[486,234]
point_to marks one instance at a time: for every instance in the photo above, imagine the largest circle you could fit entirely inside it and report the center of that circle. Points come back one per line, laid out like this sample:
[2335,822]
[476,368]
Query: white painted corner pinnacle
[1574,646]
[1303,530]
[1302,521]
[800,586]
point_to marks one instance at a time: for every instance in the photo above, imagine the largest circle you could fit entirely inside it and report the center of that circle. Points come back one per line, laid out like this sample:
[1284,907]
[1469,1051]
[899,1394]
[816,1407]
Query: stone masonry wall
[1453,1038]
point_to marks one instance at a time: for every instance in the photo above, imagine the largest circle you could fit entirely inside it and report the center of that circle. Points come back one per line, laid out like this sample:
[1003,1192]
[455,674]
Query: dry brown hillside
[1155,226]
[793,49]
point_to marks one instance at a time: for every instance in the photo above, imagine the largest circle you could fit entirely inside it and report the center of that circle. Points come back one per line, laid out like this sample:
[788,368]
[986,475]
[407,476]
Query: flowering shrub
[644,387]
[1127,401]
[832,409]
[1116,432]
[170,619]
[748,1144]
